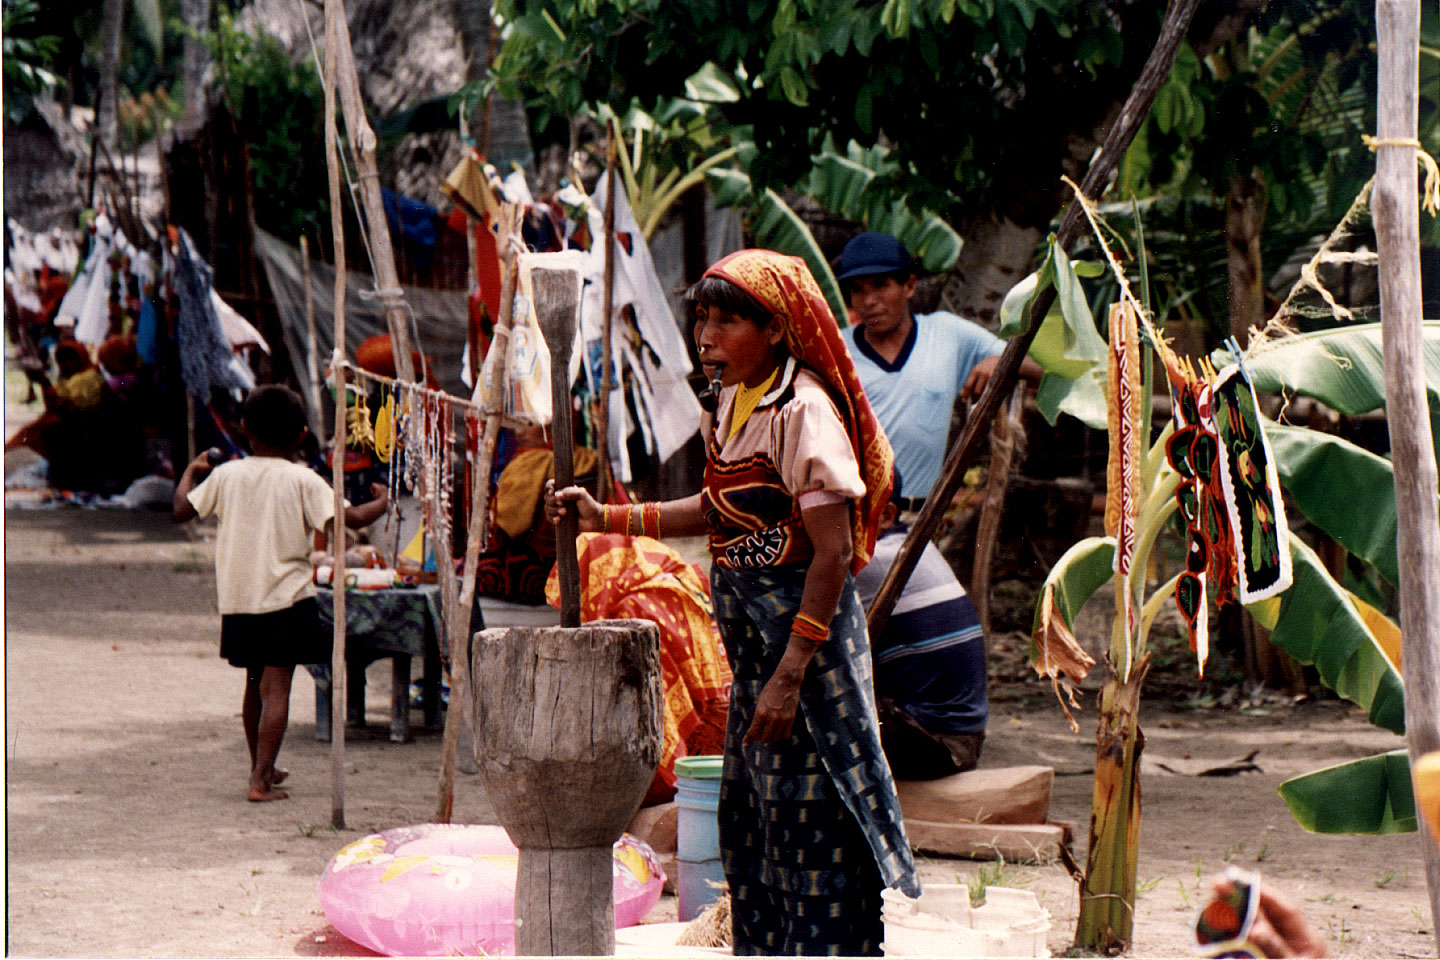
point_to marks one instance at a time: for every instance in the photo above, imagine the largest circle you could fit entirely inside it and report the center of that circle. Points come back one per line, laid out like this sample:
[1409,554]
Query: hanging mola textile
[1251,485]
[646,345]
[1237,538]
[206,360]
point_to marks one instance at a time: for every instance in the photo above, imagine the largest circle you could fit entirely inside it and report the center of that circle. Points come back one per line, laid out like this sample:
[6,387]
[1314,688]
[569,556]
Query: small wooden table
[399,623]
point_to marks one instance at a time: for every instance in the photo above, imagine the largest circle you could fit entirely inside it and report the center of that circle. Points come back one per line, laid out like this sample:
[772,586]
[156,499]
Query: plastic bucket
[697,846]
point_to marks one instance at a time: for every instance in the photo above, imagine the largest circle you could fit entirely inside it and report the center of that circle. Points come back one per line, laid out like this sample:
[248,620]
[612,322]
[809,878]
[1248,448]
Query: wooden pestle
[557,299]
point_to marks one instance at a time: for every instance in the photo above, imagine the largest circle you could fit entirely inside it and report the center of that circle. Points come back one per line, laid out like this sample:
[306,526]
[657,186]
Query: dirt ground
[128,833]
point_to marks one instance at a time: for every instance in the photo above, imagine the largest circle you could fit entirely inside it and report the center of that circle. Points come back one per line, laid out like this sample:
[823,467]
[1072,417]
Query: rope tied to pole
[1430,193]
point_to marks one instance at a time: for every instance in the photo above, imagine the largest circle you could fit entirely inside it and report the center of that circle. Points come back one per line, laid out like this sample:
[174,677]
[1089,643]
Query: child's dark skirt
[281,638]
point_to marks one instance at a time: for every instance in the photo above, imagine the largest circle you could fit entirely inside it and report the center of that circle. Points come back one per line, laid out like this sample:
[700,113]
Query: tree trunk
[1244,224]
[1397,232]
[1107,895]
[106,114]
[996,255]
[196,15]
[1244,220]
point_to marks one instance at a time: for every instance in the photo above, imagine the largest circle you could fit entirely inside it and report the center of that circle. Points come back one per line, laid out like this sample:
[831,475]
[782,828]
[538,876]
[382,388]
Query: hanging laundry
[207,361]
[647,347]
[413,223]
[147,333]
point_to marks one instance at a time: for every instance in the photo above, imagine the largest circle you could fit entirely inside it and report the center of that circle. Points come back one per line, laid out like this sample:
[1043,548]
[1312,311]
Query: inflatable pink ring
[449,890]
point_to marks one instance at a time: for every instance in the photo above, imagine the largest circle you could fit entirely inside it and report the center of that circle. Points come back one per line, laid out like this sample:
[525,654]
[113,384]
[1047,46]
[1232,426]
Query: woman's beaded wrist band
[808,628]
[650,519]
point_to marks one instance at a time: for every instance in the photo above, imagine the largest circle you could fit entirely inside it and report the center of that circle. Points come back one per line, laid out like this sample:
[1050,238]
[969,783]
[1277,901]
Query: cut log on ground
[1004,795]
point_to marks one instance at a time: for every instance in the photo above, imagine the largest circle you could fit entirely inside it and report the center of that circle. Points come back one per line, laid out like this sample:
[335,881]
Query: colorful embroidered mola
[1251,484]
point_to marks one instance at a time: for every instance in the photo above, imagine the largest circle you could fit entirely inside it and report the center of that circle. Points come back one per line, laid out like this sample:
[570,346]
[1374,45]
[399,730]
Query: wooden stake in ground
[337,450]
[507,218]
[607,380]
[312,357]
[340,71]
[1397,232]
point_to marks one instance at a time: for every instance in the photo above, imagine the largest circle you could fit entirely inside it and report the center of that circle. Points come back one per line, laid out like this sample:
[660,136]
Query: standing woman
[796,474]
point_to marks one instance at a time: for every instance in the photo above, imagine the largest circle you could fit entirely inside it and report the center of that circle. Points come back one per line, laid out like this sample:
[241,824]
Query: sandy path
[128,832]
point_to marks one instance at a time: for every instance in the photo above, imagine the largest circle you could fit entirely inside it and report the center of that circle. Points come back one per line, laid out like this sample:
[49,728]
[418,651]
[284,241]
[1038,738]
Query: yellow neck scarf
[746,399]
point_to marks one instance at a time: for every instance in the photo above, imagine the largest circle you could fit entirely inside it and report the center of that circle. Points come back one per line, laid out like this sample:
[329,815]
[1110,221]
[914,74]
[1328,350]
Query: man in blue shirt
[929,663]
[912,367]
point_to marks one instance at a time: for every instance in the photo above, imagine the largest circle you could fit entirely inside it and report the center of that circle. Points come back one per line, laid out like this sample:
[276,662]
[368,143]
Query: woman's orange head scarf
[785,287]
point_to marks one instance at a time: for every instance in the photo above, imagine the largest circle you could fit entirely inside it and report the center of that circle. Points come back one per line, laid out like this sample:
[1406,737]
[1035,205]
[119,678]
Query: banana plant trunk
[1107,894]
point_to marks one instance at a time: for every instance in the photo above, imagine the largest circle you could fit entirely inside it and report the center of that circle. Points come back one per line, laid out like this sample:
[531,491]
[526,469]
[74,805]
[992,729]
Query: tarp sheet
[440,315]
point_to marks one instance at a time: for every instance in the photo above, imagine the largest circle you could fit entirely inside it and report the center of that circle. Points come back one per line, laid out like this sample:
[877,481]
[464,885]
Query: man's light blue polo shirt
[913,396]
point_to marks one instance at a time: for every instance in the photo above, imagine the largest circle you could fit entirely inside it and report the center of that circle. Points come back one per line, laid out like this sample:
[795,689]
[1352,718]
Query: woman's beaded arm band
[617,519]
[808,628]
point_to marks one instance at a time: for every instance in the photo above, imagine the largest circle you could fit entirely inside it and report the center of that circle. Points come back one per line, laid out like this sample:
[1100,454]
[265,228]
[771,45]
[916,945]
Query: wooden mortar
[567,738]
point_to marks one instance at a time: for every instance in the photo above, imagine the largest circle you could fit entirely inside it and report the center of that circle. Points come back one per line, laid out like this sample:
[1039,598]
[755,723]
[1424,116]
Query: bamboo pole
[507,220]
[312,358]
[337,451]
[1152,76]
[607,380]
[1397,232]
[340,71]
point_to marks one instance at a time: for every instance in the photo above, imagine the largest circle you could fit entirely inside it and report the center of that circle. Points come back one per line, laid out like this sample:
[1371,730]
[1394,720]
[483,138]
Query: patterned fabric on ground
[637,577]
[810,828]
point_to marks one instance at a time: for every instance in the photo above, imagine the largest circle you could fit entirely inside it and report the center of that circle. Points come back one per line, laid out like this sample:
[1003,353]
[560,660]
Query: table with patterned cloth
[398,623]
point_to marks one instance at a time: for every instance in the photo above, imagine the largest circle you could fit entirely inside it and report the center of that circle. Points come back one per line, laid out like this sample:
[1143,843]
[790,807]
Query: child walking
[269,509]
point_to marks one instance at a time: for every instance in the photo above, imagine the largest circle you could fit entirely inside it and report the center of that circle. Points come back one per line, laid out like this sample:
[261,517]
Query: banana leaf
[840,182]
[1322,473]
[1369,796]
[1315,622]
[1085,568]
[1067,346]
[1343,368]
[776,227]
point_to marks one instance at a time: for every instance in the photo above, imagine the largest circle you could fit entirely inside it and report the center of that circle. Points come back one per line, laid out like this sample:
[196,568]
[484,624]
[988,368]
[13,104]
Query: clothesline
[426,393]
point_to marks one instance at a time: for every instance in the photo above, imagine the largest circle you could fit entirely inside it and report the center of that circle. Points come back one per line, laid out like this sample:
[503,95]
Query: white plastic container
[1011,923]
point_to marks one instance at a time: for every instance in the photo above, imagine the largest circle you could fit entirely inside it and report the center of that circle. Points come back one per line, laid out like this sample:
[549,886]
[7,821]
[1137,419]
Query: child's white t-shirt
[269,510]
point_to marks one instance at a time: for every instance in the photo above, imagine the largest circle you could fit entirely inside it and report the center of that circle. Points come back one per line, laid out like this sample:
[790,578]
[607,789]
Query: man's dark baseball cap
[873,253]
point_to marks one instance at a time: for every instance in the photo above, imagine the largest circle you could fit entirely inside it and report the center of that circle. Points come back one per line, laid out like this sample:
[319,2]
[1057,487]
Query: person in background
[929,662]
[269,508]
[912,367]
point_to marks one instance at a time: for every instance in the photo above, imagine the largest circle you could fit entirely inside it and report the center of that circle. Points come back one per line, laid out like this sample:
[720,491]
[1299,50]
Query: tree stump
[567,738]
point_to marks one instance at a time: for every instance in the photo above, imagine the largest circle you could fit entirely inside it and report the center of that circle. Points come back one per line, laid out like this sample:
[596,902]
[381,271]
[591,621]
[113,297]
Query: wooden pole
[337,451]
[1397,233]
[1152,76]
[340,71]
[312,358]
[607,380]
[507,219]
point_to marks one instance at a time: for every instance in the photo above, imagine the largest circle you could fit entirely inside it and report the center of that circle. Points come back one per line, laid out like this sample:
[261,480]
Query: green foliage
[25,58]
[1369,796]
[279,107]
[1284,103]
[779,228]
[1316,622]
[951,83]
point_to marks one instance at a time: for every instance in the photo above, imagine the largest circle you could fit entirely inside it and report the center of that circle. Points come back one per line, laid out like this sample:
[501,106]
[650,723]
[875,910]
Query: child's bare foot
[257,795]
[277,776]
